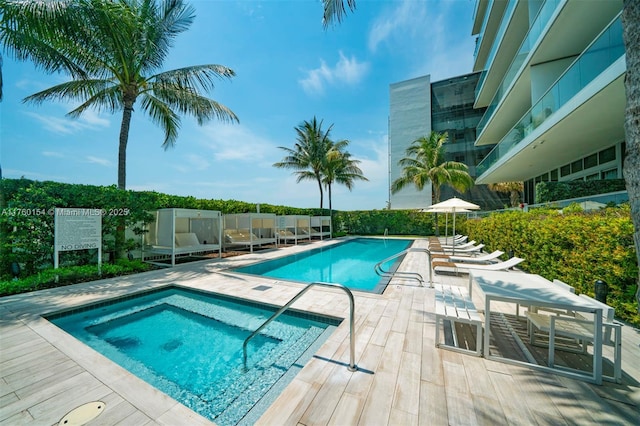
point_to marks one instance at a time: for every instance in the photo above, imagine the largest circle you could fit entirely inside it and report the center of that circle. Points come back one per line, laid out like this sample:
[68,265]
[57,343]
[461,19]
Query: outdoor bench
[453,303]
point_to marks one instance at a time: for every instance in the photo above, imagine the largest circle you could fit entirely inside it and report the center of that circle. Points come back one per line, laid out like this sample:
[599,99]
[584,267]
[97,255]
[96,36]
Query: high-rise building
[417,107]
[552,83]
[409,119]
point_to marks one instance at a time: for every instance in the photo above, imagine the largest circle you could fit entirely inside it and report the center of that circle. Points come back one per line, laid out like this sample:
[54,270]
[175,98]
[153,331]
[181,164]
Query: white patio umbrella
[454,205]
[446,212]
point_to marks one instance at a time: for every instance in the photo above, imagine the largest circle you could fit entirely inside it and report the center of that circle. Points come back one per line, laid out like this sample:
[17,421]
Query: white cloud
[230,142]
[66,126]
[408,18]
[96,160]
[52,154]
[346,71]
[422,31]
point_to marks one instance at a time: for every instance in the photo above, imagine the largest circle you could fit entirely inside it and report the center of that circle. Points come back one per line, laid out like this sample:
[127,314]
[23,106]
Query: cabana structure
[293,228]
[321,227]
[182,232]
[248,230]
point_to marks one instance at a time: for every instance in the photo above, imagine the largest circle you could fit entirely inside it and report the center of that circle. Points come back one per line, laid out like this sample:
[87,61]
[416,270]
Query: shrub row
[27,230]
[578,248]
[48,278]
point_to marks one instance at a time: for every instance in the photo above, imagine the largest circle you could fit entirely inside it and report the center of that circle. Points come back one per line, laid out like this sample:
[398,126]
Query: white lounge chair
[457,267]
[457,246]
[466,250]
[487,258]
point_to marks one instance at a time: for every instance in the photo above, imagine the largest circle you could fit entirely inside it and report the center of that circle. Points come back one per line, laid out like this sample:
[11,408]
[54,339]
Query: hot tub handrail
[352,366]
[409,275]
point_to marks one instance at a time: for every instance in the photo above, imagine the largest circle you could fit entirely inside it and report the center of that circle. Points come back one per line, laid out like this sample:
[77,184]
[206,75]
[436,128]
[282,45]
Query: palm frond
[334,10]
[163,115]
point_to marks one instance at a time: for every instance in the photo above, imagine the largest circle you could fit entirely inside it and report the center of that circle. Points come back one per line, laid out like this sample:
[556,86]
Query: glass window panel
[610,174]
[576,166]
[565,170]
[554,175]
[591,161]
[607,155]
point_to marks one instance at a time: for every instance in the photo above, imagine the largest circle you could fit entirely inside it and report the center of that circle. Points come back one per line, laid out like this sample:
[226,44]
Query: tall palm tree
[309,154]
[425,165]
[631,34]
[513,188]
[113,50]
[340,168]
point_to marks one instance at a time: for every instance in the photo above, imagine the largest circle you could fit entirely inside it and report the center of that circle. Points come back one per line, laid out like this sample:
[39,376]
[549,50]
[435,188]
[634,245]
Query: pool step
[250,387]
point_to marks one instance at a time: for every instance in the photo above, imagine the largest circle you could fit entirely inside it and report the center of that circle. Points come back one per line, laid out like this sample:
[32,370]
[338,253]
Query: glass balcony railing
[485,18]
[535,30]
[504,23]
[601,54]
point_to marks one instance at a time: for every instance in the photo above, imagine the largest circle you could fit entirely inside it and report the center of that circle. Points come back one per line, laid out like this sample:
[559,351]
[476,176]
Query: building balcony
[593,80]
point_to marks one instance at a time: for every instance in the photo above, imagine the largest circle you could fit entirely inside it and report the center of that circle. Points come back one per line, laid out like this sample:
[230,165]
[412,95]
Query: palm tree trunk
[321,193]
[122,177]
[122,147]
[329,193]
[631,33]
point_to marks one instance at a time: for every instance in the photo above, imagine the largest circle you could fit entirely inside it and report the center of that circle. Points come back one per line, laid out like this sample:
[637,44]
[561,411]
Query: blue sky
[288,69]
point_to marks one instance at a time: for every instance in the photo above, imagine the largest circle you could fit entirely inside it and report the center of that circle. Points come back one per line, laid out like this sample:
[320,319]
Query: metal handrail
[352,366]
[409,275]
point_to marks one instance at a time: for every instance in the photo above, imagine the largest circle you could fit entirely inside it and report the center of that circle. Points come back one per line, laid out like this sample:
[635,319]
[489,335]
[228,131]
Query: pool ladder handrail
[409,275]
[352,366]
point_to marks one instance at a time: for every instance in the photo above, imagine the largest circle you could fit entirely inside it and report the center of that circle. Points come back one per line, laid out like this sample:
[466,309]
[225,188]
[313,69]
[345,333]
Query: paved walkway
[403,378]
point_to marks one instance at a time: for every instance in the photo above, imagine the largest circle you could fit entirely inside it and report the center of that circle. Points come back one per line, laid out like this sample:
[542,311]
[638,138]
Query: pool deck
[403,379]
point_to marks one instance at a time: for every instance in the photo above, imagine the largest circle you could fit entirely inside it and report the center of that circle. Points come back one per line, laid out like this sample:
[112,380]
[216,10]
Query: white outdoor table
[530,289]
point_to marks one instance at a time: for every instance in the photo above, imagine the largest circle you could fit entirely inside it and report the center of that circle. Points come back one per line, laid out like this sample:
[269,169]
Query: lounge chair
[487,258]
[457,246]
[458,239]
[466,250]
[457,267]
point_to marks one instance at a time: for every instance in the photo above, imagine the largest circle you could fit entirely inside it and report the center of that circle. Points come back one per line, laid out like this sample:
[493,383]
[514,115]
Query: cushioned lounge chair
[487,258]
[458,267]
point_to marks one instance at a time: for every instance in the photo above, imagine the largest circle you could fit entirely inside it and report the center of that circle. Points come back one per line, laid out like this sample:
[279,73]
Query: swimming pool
[188,344]
[350,263]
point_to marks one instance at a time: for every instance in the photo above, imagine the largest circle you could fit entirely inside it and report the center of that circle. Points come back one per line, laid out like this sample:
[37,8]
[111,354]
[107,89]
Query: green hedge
[26,227]
[578,248]
[554,191]
[375,222]
[49,278]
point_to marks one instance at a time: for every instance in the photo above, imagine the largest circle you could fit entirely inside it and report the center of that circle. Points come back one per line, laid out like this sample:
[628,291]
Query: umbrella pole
[454,230]
[446,225]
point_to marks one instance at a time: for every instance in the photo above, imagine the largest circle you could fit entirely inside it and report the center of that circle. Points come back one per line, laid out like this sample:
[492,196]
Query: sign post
[77,229]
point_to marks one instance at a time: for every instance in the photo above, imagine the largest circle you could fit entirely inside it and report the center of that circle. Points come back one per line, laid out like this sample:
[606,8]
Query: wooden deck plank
[433,404]
[407,394]
[377,407]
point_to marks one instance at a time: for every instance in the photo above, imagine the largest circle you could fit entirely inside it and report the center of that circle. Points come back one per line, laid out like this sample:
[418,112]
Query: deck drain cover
[262,287]
[82,414]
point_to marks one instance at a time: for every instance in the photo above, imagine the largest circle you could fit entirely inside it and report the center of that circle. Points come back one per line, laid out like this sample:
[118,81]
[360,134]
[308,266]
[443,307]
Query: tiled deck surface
[403,379]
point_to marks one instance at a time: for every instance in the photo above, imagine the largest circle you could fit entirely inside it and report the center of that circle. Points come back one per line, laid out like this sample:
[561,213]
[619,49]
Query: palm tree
[631,34]
[113,50]
[425,164]
[340,168]
[309,155]
[513,188]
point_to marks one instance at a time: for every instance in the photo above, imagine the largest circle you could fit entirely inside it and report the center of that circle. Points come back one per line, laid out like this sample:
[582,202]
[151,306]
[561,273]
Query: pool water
[350,263]
[188,344]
